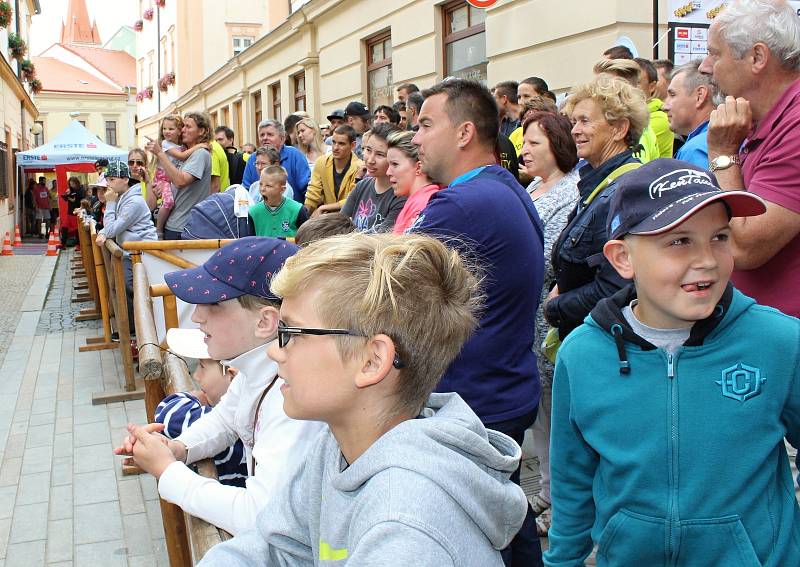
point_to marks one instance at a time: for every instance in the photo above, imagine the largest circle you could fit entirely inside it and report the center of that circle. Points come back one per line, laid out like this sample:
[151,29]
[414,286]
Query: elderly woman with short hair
[608,116]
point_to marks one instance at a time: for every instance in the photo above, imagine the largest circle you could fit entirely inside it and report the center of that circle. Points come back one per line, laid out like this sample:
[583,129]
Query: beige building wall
[559,40]
[18,113]
[57,110]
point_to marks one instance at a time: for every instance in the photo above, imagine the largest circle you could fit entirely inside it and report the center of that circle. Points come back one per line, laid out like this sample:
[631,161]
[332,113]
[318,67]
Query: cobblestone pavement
[59,311]
[16,273]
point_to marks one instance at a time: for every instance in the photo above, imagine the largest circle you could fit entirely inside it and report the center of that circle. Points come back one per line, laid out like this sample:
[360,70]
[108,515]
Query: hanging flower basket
[148,92]
[148,14]
[17,46]
[27,69]
[165,81]
[161,3]
[138,25]
[139,96]
[5,14]
[36,86]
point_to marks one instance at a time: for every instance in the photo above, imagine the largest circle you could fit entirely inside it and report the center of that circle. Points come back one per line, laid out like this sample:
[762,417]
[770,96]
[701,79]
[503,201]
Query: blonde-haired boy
[369,323]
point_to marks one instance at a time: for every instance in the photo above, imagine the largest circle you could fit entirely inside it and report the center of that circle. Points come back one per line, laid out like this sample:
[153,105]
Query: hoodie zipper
[673,458]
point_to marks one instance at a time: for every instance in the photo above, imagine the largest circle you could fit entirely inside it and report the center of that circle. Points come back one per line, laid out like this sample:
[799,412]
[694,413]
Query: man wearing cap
[358,117]
[669,447]
[753,140]
[336,119]
[272,133]
[238,315]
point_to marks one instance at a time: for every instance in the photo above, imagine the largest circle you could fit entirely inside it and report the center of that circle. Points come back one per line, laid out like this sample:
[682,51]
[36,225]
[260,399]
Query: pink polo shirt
[771,169]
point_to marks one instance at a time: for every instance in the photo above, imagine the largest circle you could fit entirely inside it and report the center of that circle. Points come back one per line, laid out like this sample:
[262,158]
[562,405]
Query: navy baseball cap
[243,267]
[663,193]
[337,114]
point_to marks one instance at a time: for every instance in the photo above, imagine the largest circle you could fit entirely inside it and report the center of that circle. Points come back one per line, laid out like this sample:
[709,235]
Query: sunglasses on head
[135,162]
[285,334]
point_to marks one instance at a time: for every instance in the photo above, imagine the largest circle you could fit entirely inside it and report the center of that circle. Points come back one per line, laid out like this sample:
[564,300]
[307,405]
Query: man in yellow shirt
[220,180]
[334,175]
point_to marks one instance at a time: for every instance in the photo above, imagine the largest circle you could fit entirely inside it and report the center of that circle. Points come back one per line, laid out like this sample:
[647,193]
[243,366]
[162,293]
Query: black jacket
[236,165]
[583,274]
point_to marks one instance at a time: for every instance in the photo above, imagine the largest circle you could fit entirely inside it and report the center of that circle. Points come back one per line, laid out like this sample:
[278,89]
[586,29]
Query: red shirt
[41,196]
[415,204]
[771,169]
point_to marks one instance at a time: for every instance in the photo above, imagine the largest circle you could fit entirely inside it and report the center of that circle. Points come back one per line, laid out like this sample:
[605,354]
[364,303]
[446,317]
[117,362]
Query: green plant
[36,86]
[28,70]
[17,46]
[5,14]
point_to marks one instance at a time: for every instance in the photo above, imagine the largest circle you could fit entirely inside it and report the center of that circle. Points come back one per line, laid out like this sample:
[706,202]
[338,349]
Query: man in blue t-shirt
[689,103]
[271,133]
[485,213]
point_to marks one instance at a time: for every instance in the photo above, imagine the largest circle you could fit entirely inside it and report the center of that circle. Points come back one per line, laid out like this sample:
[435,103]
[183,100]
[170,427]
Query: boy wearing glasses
[369,324]
[238,314]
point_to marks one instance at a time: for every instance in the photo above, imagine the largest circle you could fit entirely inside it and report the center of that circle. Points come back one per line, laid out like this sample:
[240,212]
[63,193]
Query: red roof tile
[118,65]
[57,76]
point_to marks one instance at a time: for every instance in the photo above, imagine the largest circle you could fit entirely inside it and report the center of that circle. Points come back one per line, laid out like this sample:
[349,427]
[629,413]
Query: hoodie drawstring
[624,365]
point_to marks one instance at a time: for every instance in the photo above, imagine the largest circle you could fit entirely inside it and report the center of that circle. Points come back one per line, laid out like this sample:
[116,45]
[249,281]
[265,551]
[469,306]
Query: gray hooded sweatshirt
[431,491]
[129,218]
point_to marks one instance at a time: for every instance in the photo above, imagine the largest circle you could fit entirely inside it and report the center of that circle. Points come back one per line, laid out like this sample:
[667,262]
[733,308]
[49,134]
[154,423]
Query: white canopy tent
[75,149]
[74,144]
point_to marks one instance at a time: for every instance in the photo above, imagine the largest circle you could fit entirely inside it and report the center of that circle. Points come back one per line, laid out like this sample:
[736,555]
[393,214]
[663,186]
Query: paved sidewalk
[63,500]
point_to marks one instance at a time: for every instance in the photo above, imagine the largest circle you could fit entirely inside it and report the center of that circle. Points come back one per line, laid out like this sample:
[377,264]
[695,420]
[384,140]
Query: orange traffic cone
[52,248]
[17,236]
[7,251]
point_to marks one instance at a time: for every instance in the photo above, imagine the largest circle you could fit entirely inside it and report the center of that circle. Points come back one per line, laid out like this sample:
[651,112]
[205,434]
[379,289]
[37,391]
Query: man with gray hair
[691,97]
[754,138]
[271,133]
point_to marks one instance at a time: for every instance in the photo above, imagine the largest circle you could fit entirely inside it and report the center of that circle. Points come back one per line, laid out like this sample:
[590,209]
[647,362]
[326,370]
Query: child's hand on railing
[150,450]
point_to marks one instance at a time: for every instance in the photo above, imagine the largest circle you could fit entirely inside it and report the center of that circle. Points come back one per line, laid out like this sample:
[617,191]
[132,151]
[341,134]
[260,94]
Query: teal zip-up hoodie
[677,460]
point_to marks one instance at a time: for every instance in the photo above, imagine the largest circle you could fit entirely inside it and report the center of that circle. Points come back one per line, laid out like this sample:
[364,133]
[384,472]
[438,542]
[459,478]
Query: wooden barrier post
[150,363]
[101,279]
[85,240]
[120,300]
[83,272]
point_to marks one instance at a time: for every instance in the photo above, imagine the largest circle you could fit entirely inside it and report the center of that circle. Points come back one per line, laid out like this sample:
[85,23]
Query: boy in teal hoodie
[672,402]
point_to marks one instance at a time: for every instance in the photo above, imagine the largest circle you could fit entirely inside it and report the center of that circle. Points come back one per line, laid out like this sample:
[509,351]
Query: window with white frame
[240,43]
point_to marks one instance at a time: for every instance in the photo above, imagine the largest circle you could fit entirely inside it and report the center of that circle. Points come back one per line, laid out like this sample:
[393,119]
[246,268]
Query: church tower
[77,30]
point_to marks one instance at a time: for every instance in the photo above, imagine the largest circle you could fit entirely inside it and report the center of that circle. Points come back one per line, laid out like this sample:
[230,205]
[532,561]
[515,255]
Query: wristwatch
[724,162]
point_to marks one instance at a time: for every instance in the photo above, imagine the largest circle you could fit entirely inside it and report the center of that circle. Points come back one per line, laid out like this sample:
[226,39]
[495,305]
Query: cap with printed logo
[663,193]
[357,109]
[243,267]
[118,169]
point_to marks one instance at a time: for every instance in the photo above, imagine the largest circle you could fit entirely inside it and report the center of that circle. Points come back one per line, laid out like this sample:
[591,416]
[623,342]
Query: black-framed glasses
[285,334]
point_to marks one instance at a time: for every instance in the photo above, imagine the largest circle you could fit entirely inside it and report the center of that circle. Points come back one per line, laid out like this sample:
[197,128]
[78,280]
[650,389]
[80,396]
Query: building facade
[319,54]
[18,115]
[84,81]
